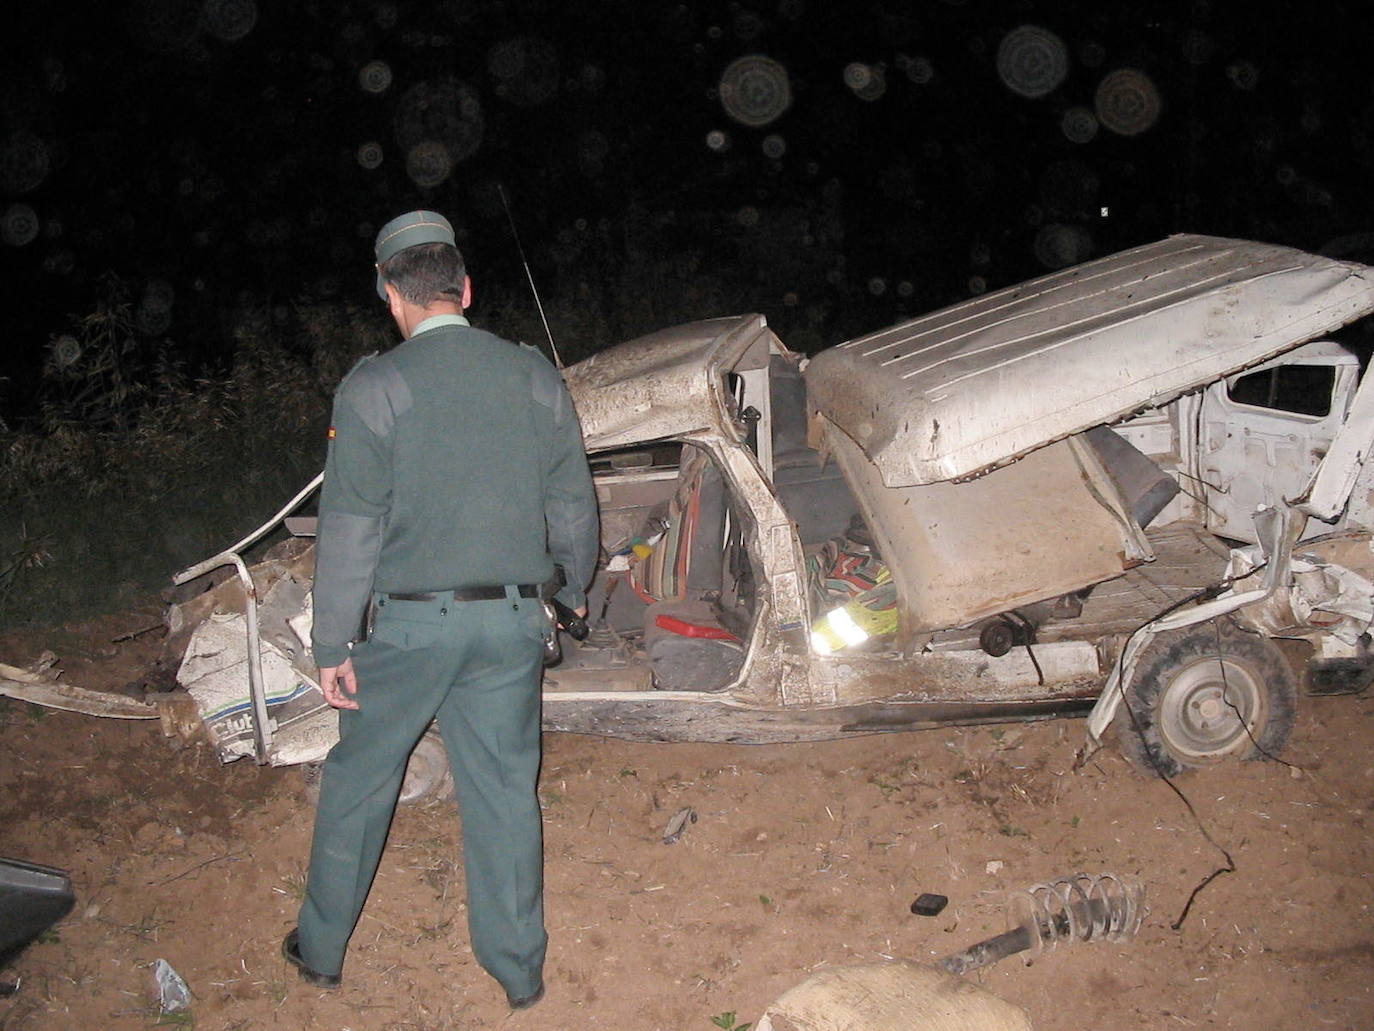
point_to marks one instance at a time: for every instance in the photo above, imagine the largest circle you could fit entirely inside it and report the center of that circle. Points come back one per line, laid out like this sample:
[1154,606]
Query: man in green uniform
[455,480]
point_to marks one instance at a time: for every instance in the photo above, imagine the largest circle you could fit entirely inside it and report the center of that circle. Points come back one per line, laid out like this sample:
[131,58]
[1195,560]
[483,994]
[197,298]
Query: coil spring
[1083,907]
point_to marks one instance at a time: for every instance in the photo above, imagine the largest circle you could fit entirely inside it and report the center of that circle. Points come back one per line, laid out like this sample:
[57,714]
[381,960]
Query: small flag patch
[333,433]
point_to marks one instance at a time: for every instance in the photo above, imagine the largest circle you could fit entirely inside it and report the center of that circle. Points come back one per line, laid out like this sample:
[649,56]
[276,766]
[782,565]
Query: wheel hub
[1207,708]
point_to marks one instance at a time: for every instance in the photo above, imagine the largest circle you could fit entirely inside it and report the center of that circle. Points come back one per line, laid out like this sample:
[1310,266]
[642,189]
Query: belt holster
[370,617]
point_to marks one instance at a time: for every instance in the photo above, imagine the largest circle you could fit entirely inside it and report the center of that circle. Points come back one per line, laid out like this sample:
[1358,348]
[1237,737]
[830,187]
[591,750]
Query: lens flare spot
[1058,245]
[1127,102]
[755,90]
[370,155]
[1032,61]
[19,225]
[428,163]
[1078,124]
[375,77]
[441,110]
[229,20]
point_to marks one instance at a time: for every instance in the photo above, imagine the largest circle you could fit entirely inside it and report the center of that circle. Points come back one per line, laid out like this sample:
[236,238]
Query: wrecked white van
[1113,473]
[1115,484]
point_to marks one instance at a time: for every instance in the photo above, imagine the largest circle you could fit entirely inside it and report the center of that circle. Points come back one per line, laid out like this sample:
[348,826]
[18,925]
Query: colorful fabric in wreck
[843,568]
[663,573]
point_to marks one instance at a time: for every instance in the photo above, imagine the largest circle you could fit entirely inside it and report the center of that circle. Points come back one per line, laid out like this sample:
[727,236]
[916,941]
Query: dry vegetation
[131,467]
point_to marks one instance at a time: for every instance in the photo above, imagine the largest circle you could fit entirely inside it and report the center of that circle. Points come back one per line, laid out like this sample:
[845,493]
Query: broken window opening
[1296,389]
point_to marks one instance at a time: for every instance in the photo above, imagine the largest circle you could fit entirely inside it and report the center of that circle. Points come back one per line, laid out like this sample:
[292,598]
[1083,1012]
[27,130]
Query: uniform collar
[435,321]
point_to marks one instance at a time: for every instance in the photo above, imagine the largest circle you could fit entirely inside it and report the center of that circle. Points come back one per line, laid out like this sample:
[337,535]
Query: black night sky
[836,166]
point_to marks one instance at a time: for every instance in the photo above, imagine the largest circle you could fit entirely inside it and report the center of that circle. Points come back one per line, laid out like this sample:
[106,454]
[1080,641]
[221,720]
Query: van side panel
[1047,525]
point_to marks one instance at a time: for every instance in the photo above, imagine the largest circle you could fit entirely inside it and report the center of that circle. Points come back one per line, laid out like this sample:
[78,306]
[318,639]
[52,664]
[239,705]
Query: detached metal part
[43,689]
[261,725]
[1082,908]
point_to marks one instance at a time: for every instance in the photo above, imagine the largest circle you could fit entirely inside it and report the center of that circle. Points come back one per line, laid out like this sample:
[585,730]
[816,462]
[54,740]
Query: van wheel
[311,773]
[427,775]
[1192,709]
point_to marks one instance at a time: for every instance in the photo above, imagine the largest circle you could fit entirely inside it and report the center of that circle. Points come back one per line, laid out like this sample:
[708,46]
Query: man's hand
[574,621]
[339,684]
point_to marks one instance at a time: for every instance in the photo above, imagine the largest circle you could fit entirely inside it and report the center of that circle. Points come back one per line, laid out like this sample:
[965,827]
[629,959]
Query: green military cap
[410,230]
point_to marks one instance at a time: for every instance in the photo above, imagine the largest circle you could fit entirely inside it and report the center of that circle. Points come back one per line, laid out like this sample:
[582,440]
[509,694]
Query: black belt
[465,593]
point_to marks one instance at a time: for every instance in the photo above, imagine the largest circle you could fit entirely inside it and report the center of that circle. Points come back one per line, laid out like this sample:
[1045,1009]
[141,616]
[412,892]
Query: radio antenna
[553,348]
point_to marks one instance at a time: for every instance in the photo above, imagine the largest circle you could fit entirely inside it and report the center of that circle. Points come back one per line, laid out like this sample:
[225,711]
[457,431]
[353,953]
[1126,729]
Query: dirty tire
[427,775]
[311,774]
[1186,711]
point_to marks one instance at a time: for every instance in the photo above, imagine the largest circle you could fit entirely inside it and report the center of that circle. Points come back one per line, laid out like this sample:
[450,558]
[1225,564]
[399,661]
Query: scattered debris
[929,904]
[173,994]
[994,866]
[40,685]
[135,634]
[678,824]
[901,995]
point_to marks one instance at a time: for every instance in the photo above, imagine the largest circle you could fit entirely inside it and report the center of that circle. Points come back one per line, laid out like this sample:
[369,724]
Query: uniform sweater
[455,460]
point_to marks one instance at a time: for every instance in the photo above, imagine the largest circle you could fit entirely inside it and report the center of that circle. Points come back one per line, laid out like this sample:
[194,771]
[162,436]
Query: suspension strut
[1083,907]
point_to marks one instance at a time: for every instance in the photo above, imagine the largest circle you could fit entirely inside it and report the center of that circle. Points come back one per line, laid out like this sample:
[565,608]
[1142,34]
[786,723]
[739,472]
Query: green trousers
[475,665]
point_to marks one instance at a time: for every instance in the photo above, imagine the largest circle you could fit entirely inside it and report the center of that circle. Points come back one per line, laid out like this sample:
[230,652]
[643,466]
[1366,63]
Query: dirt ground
[803,856]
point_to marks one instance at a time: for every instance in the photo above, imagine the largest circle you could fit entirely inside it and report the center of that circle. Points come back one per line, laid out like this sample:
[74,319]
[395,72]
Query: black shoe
[291,949]
[527,1001]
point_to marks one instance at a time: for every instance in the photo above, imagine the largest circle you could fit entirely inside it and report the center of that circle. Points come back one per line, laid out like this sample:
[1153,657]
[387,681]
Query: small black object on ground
[929,904]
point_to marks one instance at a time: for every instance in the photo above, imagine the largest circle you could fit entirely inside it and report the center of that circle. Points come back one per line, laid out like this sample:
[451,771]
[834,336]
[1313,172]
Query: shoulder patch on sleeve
[546,384]
[378,393]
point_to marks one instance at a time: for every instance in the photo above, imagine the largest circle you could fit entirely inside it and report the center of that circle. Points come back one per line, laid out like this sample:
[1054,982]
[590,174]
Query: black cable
[1211,590]
[1230,866]
[1244,723]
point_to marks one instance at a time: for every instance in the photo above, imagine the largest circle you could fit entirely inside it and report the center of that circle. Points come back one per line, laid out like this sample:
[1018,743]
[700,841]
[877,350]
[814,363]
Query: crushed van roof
[665,384]
[974,385]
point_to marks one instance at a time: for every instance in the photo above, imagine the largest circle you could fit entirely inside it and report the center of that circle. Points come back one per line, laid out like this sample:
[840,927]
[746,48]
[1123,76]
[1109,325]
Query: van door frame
[1231,434]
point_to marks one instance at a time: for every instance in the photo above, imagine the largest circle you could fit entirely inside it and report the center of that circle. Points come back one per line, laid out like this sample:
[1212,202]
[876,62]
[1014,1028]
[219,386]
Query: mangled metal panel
[1277,530]
[1048,525]
[944,396]
[1328,596]
[215,673]
[669,383]
[1329,491]
[972,676]
[1254,448]
[777,666]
